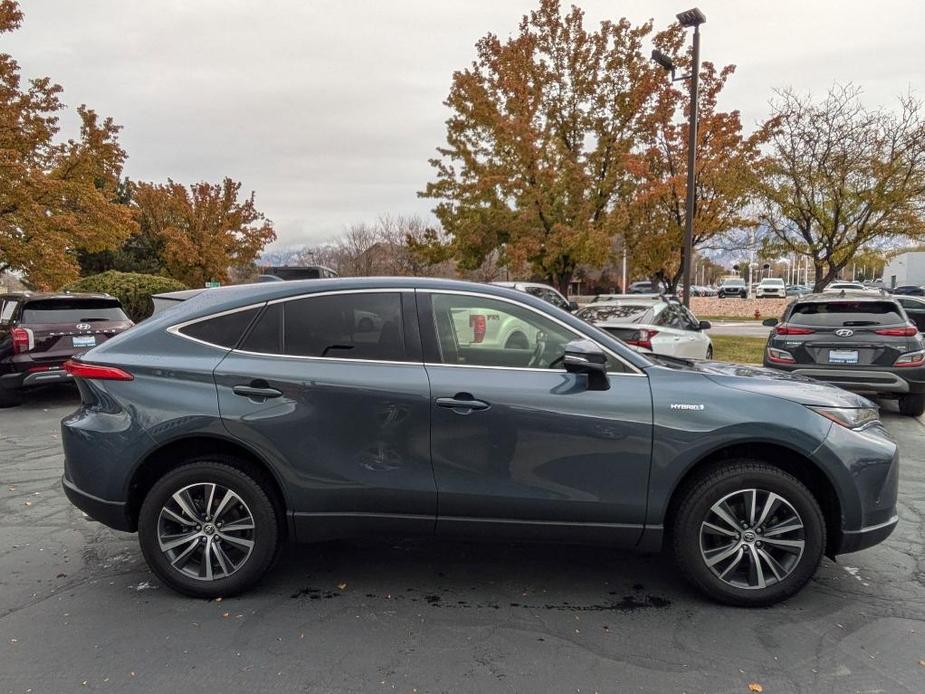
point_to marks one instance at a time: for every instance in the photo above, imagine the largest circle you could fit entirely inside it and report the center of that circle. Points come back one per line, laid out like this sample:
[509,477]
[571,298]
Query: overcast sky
[329,109]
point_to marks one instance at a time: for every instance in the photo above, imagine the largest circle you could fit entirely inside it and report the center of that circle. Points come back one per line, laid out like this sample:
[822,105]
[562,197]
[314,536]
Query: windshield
[733,283]
[627,313]
[842,313]
[773,281]
[73,311]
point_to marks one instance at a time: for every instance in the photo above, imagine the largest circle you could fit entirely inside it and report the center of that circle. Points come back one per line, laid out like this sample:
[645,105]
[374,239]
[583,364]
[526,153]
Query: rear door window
[847,313]
[72,311]
[362,325]
[549,296]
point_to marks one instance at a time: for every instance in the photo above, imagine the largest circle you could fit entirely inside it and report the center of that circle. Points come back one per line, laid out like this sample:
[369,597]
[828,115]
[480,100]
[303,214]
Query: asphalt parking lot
[79,610]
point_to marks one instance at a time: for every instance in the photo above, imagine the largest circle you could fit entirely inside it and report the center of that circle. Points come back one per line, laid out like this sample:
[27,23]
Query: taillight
[910,359]
[23,340]
[905,331]
[479,326]
[96,372]
[786,329]
[780,356]
[642,338]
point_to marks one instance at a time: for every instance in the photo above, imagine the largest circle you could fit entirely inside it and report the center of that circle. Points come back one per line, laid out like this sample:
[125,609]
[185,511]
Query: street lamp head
[663,60]
[691,18]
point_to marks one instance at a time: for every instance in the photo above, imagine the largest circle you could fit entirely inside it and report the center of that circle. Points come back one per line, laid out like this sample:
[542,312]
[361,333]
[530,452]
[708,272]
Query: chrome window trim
[177,327]
[175,330]
[345,360]
[635,370]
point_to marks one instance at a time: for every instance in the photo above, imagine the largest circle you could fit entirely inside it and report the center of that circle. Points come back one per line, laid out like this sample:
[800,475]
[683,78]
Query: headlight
[850,417]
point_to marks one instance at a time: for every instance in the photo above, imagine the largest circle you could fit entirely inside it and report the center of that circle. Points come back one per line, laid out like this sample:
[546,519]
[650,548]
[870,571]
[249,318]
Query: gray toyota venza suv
[302,411]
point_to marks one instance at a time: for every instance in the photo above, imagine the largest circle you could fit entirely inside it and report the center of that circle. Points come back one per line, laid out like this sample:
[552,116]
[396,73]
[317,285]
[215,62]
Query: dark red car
[39,332]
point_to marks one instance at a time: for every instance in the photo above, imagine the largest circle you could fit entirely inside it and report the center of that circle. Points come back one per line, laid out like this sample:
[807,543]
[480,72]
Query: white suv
[771,287]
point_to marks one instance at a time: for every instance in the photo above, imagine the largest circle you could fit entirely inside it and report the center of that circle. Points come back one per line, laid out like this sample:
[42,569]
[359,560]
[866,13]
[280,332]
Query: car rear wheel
[709,352]
[912,405]
[207,529]
[748,534]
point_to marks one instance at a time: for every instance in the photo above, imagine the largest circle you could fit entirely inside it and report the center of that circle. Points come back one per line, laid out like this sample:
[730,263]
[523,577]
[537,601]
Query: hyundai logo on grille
[844,332]
[83,326]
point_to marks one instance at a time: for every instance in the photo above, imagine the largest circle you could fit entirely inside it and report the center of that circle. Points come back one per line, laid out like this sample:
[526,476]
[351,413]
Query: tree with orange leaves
[539,143]
[204,230]
[729,165]
[56,199]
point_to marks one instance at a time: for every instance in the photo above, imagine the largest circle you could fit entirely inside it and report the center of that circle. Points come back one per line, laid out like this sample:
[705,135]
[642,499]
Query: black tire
[720,295]
[710,352]
[264,535]
[697,499]
[10,398]
[912,404]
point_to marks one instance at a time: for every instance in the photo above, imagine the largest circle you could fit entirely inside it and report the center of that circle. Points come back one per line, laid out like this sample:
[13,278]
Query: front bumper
[112,513]
[856,540]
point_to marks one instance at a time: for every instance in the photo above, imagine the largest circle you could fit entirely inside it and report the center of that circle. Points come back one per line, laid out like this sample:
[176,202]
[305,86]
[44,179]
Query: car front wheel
[748,534]
[207,529]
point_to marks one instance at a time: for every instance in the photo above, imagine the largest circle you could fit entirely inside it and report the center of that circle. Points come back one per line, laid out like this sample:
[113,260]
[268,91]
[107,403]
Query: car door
[671,336]
[696,341]
[332,389]
[519,446]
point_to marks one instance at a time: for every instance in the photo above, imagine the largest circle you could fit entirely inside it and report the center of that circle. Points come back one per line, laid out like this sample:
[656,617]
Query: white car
[652,324]
[491,329]
[850,287]
[542,291]
[771,287]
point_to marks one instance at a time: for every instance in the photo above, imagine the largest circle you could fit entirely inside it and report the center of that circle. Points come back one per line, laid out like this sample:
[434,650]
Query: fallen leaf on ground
[342,586]
[755,687]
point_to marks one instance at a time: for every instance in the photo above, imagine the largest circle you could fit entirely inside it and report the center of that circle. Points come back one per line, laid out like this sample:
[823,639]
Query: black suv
[39,332]
[861,342]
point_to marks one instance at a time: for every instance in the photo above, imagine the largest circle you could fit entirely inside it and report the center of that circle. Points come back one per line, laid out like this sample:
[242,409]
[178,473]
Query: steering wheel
[539,351]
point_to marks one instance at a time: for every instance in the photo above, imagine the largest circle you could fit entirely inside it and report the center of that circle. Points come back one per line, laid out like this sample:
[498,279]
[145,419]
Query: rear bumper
[863,380]
[15,381]
[111,513]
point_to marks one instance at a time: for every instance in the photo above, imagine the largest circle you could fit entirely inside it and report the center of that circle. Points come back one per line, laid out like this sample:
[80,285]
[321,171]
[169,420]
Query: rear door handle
[256,392]
[462,403]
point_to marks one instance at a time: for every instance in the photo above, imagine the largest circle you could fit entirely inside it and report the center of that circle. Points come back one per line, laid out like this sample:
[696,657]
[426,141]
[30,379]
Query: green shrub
[133,289]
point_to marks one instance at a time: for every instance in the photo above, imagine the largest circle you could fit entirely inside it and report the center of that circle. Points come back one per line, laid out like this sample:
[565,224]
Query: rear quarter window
[840,313]
[223,331]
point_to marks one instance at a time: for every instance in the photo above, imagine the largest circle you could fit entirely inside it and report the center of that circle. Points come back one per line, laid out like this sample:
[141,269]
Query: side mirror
[705,325]
[586,357]
[573,306]
[770,322]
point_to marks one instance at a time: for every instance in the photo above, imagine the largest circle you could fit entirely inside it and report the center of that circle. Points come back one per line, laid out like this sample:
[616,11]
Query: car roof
[844,294]
[52,296]
[514,285]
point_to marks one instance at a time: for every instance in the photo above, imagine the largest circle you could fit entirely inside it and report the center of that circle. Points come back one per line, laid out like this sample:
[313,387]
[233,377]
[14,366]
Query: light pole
[690,18]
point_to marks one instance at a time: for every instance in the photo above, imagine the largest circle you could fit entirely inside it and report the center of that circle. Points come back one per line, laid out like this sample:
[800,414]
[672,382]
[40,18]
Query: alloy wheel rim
[752,539]
[206,531]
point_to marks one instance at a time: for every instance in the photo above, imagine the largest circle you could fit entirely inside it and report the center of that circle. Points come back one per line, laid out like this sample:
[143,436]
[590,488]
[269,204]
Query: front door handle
[256,392]
[462,403]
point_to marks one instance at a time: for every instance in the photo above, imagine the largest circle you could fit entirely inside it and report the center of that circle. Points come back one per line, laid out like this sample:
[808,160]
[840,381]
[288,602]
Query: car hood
[779,384]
